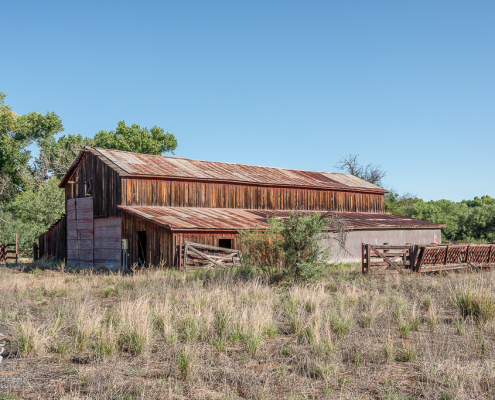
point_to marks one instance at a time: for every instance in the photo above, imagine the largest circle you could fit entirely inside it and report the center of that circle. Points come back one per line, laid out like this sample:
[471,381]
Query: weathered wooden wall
[80,232]
[210,238]
[158,250]
[107,242]
[155,192]
[53,243]
[105,185]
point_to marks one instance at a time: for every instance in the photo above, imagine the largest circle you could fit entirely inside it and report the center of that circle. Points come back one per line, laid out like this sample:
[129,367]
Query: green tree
[56,156]
[17,132]
[31,213]
[136,139]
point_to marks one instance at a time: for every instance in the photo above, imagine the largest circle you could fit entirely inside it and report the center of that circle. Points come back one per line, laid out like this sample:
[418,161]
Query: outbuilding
[156,203]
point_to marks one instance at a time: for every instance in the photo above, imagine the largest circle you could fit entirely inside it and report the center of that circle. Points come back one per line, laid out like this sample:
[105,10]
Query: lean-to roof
[192,218]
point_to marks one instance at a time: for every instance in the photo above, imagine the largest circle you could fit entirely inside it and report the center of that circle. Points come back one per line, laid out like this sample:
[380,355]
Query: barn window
[141,243]
[225,243]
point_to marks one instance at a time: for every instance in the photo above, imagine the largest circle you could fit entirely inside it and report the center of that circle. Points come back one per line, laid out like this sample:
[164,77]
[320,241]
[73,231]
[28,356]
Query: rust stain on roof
[192,218]
[146,165]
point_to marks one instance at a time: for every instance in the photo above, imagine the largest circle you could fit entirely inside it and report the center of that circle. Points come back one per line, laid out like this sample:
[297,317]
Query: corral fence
[385,259]
[9,248]
[195,256]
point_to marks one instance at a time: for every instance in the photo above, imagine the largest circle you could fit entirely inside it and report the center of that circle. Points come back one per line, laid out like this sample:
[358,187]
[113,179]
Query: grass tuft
[475,301]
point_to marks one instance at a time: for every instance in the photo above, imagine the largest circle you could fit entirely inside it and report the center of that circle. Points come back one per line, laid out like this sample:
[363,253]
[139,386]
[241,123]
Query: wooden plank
[205,246]
[207,257]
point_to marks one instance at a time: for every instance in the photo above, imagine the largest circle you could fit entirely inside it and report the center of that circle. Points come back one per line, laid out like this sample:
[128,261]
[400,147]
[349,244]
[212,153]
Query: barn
[157,203]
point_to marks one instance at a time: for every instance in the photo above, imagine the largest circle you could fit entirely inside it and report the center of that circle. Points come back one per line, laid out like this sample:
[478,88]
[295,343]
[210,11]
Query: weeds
[408,353]
[186,362]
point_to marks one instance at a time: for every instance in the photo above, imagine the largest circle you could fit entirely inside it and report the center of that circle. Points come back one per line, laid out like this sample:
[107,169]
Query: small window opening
[225,243]
[141,243]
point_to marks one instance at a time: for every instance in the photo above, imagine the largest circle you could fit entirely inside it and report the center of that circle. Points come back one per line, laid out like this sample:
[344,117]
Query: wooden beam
[207,257]
[206,246]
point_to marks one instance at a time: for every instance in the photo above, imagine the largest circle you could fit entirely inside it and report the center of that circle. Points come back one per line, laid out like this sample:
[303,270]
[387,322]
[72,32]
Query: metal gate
[426,258]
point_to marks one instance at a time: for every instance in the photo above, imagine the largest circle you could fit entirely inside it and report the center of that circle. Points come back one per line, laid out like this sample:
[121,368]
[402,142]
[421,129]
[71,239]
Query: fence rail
[4,251]
[386,259]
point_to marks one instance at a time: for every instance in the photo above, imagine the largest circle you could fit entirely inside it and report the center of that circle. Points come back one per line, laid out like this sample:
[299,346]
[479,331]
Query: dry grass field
[164,335]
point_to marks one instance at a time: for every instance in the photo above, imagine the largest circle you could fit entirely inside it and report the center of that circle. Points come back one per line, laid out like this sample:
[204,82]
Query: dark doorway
[141,243]
[225,243]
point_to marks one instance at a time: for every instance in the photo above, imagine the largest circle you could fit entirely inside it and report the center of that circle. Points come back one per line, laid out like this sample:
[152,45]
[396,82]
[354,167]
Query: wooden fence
[4,251]
[386,259]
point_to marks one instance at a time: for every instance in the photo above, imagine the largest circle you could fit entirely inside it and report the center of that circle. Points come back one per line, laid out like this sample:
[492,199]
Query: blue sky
[294,84]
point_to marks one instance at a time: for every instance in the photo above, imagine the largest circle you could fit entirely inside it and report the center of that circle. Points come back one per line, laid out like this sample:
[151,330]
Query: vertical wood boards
[102,182]
[170,193]
[80,233]
[158,240]
[107,242]
[53,243]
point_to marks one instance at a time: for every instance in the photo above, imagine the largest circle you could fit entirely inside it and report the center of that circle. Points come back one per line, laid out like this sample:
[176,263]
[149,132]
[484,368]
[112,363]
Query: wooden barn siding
[107,242]
[158,240]
[155,192]
[53,243]
[106,186]
[209,238]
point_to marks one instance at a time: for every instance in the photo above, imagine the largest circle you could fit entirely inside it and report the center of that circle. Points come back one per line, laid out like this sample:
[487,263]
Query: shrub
[291,247]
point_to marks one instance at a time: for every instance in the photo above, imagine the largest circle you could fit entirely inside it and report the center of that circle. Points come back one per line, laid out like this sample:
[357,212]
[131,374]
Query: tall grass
[475,299]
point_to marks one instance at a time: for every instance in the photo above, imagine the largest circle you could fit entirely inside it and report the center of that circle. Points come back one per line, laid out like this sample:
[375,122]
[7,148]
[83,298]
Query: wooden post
[180,252]
[368,258]
[446,255]
[35,251]
[363,258]
[186,249]
[16,250]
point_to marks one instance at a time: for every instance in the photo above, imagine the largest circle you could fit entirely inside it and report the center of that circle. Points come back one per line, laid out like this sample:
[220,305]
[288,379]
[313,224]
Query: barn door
[80,234]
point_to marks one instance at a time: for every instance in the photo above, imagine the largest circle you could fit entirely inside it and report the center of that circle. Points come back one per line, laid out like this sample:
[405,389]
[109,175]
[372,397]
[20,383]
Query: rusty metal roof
[146,165]
[193,218]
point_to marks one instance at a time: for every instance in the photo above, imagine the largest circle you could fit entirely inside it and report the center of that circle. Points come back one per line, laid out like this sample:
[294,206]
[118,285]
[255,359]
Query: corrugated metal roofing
[146,165]
[192,218]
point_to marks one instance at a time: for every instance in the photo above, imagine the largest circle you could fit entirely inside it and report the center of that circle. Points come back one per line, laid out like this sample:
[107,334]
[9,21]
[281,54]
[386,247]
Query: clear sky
[409,85]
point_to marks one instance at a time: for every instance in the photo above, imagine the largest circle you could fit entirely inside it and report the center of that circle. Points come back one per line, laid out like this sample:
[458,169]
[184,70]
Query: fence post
[35,251]
[180,252]
[16,250]
[363,259]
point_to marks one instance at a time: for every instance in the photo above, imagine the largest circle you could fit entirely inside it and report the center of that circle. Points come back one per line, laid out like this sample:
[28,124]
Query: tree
[370,173]
[137,140]
[17,132]
[56,156]
[31,213]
